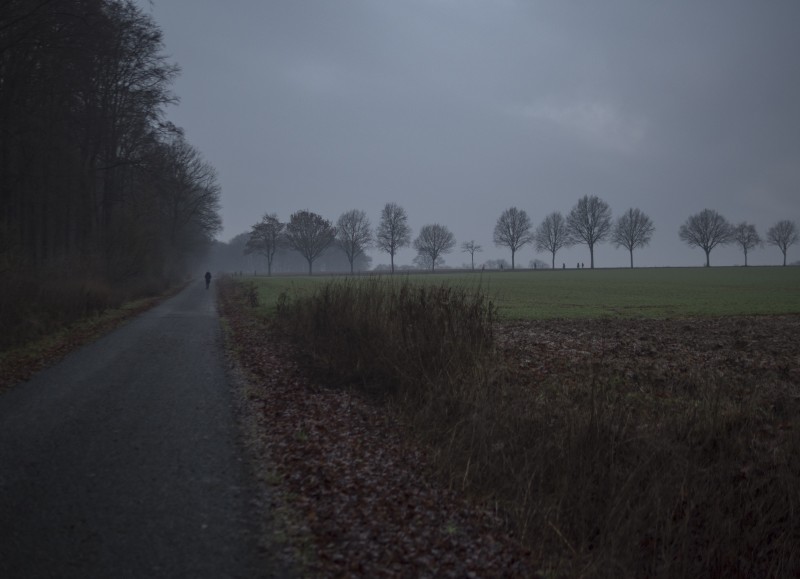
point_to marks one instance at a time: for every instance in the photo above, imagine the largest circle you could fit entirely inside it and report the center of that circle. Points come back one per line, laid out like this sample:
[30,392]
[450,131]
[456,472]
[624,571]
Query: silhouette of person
[208,278]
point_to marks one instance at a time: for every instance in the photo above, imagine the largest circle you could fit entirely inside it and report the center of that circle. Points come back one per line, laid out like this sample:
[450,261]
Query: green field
[637,293]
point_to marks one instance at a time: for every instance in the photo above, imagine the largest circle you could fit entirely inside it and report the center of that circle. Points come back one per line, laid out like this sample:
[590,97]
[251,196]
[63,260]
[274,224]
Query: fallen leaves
[367,495]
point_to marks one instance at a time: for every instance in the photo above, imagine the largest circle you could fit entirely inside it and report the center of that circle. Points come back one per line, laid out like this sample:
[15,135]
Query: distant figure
[208,279]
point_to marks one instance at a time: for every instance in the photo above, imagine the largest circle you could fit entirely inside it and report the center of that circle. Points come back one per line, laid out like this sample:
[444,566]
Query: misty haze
[413,288]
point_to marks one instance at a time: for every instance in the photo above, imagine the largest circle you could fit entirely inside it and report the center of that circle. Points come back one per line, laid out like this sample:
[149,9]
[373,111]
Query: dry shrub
[601,476]
[394,337]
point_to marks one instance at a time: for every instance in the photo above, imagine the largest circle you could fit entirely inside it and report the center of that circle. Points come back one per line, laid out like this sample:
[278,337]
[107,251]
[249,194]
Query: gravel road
[124,461]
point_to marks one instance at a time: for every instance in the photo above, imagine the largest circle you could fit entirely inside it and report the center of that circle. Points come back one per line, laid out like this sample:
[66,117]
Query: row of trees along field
[708,229]
[588,223]
[94,181]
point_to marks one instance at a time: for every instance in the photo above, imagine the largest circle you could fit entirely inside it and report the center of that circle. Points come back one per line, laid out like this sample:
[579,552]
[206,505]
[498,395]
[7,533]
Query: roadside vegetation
[612,446]
[44,319]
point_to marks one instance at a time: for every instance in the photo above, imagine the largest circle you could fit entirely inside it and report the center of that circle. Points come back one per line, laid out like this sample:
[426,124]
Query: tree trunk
[512,259]
[631,258]
[591,255]
[708,258]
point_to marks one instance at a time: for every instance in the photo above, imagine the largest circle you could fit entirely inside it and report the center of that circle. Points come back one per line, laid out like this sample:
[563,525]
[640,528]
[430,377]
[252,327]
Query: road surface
[123,459]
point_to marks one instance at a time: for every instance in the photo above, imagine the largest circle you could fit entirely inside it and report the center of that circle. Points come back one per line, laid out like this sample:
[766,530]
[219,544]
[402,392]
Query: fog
[457,110]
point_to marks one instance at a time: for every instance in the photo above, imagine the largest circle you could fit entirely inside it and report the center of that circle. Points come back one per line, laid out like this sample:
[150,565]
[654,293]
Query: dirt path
[123,459]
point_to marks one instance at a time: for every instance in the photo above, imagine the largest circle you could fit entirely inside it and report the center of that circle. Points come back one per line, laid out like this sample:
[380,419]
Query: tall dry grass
[600,476]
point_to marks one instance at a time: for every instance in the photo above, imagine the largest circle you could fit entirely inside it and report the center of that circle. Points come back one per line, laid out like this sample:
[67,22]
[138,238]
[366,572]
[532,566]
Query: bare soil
[657,352]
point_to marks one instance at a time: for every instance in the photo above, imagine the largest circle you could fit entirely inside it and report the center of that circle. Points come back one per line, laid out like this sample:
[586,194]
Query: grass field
[615,293]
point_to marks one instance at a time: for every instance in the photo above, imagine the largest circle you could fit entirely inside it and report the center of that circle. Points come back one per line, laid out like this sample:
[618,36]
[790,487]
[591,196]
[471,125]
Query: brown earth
[657,352]
[363,499]
[369,502]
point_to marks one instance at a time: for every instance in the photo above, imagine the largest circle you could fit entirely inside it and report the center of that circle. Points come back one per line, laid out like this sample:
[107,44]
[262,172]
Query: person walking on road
[208,278]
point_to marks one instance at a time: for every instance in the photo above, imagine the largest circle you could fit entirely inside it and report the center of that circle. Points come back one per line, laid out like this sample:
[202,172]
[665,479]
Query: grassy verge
[60,329]
[603,473]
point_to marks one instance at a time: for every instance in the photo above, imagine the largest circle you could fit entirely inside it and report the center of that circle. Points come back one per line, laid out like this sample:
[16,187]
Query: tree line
[93,179]
[588,223]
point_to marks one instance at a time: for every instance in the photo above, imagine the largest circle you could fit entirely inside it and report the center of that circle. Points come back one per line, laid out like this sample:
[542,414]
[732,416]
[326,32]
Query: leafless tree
[747,237]
[552,234]
[513,230]
[423,261]
[706,230]
[432,242]
[393,232]
[104,182]
[309,234]
[783,235]
[353,234]
[632,230]
[471,248]
[266,237]
[589,222]
[189,189]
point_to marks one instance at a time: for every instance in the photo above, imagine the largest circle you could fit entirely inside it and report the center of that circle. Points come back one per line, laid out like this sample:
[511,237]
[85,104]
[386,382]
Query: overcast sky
[459,109]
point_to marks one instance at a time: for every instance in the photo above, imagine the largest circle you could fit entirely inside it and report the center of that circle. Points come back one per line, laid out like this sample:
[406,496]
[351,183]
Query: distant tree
[513,230]
[538,264]
[589,222]
[393,232]
[552,234]
[432,242]
[632,230]
[706,230]
[747,237]
[353,234]
[496,264]
[783,235]
[423,261]
[265,238]
[309,234]
[472,248]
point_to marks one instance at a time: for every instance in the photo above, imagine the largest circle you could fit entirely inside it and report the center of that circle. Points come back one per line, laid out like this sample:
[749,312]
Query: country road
[124,461]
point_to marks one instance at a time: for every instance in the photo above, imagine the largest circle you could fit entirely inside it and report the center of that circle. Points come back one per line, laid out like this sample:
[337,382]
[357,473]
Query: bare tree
[353,234]
[265,238]
[513,230]
[471,248]
[747,237]
[589,222]
[783,235]
[706,230]
[393,232]
[309,234]
[632,230]
[552,234]
[432,242]
[423,261]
